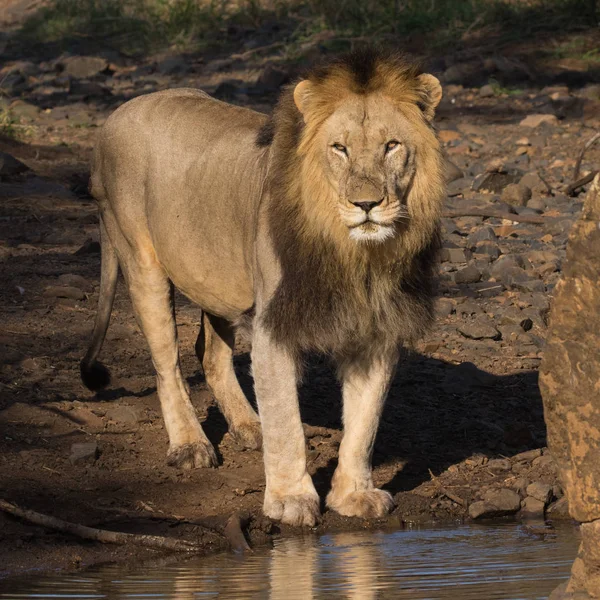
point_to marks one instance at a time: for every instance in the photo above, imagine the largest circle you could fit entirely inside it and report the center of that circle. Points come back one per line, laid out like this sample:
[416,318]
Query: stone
[482,234]
[84,451]
[538,119]
[64,291]
[84,67]
[494,183]
[499,464]
[444,307]
[516,194]
[545,462]
[454,255]
[532,507]
[10,166]
[469,274]
[496,503]
[486,91]
[519,484]
[533,181]
[479,330]
[452,172]
[540,491]
[489,249]
[528,455]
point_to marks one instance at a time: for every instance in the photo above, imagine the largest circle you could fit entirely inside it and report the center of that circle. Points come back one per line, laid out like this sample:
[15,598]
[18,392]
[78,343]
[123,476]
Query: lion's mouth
[371,231]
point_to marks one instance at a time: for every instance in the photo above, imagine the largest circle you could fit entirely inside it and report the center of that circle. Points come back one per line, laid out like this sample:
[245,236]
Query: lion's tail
[95,375]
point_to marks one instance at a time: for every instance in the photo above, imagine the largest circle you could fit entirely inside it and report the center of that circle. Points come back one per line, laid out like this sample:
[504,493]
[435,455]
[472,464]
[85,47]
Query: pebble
[532,507]
[528,455]
[454,255]
[84,67]
[486,91]
[496,503]
[479,330]
[469,274]
[536,120]
[84,451]
[499,464]
[540,491]
[516,194]
[124,414]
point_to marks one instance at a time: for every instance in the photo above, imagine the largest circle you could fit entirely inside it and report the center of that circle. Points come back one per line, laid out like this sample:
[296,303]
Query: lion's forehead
[366,121]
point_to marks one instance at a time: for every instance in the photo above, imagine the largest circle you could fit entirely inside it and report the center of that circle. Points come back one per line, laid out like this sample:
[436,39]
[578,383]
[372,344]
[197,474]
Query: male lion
[317,226]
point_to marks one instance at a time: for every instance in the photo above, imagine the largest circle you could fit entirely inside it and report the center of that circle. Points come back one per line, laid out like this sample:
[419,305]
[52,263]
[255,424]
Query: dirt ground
[464,418]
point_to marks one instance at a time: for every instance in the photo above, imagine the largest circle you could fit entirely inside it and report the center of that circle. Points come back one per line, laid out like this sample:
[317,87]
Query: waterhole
[474,562]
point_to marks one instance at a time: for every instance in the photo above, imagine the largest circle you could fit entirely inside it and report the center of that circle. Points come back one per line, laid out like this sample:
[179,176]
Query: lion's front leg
[364,392]
[290,495]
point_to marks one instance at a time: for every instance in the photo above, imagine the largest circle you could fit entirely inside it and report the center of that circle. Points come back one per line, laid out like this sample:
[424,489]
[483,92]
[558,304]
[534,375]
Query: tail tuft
[94,375]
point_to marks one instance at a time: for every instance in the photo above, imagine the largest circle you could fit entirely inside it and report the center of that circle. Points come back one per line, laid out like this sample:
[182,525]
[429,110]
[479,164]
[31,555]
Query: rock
[9,165]
[532,507]
[494,183]
[536,120]
[496,503]
[444,307]
[520,484]
[528,455]
[454,255]
[482,234]
[486,91]
[499,464]
[535,183]
[489,249]
[540,491]
[470,274]
[516,194]
[64,291]
[479,330]
[85,451]
[451,171]
[545,462]
[84,67]
[481,510]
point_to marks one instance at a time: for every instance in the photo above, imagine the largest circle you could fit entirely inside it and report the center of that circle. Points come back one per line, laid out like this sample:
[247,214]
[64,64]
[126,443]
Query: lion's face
[369,154]
[367,151]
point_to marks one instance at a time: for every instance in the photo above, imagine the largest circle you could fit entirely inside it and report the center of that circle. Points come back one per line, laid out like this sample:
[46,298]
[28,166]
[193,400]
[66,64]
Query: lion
[316,229]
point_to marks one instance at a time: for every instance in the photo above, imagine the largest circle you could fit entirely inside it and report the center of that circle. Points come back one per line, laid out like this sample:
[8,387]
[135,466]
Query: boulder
[568,378]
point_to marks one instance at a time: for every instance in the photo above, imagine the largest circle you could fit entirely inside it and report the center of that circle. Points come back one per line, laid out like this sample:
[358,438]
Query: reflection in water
[464,563]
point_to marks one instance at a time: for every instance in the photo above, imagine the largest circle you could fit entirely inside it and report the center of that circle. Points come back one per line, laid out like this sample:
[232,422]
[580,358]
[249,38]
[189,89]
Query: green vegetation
[577,47]
[10,125]
[137,26]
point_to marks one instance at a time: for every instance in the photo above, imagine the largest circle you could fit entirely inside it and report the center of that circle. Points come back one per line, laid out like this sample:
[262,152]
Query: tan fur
[311,243]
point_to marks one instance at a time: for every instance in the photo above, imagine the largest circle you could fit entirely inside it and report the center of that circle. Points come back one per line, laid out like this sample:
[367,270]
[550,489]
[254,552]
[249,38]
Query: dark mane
[326,302]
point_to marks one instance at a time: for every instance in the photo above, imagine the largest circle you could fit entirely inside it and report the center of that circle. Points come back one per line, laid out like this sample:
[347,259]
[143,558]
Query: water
[496,562]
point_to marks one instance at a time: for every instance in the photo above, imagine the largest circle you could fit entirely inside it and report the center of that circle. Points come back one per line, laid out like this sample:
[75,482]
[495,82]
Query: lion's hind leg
[152,297]
[215,350]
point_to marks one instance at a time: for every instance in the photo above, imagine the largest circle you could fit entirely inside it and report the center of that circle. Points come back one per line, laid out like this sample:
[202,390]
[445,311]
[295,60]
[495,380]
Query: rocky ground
[462,436]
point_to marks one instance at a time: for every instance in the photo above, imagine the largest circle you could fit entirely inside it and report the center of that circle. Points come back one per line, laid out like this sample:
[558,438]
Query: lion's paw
[192,456]
[369,504]
[300,510]
[248,435]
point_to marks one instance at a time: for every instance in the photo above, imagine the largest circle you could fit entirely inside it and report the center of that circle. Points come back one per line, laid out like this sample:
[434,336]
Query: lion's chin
[371,232]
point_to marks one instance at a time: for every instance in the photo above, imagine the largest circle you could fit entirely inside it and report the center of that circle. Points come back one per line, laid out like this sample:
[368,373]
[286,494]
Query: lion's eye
[391,145]
[340,148]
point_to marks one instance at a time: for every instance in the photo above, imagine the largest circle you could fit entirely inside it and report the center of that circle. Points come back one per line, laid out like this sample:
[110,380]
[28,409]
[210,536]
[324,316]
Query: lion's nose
[367,206]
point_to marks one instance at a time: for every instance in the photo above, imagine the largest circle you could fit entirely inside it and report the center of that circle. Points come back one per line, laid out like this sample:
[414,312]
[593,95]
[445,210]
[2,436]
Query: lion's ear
[302,94]
[432,94]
